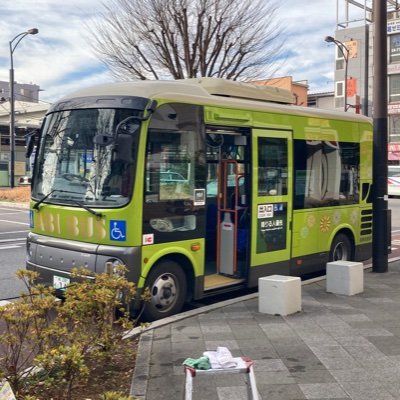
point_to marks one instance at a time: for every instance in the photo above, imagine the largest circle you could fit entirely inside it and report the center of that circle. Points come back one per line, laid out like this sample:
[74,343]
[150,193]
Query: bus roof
[215,92]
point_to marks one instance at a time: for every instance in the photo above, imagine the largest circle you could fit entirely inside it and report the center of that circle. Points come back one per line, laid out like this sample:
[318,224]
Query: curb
[142,367]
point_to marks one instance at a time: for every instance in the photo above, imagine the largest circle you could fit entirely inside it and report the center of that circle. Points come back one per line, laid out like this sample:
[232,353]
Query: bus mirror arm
[150,108]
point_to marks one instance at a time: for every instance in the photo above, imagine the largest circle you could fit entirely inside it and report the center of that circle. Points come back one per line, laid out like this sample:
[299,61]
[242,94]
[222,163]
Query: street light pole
[13,46]
[381,213]
[341,46]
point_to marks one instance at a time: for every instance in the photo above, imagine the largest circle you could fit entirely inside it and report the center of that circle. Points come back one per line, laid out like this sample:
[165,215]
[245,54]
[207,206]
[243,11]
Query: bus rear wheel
[341,249]
[167,286]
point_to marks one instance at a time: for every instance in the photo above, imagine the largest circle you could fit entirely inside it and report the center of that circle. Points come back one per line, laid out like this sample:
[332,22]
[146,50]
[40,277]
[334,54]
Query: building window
[340,64]
[339,92]
[394,128]
[394,87]
[395,48]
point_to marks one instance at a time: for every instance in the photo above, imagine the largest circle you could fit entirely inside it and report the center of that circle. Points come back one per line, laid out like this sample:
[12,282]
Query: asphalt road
[14,226]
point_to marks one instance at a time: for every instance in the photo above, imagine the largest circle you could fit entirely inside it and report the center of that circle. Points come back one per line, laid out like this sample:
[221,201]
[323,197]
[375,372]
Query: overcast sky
[59,59]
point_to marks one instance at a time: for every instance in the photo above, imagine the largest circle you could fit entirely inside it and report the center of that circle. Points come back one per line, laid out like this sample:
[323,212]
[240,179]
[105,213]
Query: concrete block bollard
[279,295]
[345,277]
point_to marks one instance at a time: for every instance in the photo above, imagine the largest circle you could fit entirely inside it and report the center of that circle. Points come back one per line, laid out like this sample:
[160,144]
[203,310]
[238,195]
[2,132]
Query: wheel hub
[164,292]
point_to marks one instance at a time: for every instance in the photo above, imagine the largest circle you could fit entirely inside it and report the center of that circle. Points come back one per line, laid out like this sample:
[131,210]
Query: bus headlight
[29,251]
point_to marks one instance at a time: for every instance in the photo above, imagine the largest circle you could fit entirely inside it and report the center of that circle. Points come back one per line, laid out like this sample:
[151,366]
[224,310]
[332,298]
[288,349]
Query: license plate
[59,282]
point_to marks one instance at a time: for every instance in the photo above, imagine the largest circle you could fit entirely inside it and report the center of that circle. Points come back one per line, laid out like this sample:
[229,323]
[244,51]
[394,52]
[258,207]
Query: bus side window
[273,167]
[175,172]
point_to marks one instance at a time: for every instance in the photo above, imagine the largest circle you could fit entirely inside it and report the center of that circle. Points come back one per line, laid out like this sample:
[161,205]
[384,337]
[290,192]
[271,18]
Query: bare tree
[161,39]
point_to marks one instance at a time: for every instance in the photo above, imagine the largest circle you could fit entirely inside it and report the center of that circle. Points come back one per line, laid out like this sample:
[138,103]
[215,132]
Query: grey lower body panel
[50,256]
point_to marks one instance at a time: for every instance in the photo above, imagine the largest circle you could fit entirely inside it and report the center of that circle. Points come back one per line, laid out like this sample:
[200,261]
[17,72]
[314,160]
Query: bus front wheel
[341,248]
[167,286]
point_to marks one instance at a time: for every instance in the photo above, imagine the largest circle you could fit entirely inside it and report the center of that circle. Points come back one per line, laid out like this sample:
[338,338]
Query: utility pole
[13,46]
[381,213]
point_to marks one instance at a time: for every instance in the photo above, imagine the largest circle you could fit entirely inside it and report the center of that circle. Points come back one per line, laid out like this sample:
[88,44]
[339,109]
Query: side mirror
[124,148]
[103,139]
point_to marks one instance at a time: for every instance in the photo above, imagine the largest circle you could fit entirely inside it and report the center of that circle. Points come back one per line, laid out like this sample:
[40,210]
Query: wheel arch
[350,235]
[183,260]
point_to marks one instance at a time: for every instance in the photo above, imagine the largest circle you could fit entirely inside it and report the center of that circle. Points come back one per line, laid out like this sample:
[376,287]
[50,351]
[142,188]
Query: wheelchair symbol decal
[118,230]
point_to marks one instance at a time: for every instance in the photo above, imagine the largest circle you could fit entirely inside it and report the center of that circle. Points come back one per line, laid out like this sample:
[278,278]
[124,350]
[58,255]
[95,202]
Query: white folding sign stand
[245,366]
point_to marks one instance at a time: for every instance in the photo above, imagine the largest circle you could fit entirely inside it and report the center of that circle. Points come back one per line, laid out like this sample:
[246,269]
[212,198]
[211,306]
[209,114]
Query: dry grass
[18,194]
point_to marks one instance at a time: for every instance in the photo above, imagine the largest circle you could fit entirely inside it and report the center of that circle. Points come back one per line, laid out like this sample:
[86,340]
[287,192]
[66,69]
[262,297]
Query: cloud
[59,59]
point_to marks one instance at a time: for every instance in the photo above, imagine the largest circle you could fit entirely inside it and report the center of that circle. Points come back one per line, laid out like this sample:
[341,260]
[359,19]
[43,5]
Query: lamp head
[329,39]
[32,31]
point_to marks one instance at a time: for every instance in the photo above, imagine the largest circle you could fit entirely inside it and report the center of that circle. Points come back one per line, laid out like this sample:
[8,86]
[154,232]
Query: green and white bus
[198,186]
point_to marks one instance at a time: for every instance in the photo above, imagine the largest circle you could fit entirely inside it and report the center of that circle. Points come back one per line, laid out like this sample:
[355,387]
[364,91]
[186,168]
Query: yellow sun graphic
[310,221]
[325,223]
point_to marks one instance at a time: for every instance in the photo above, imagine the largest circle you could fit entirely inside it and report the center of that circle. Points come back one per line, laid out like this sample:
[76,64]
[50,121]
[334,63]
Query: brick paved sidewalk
[337,347]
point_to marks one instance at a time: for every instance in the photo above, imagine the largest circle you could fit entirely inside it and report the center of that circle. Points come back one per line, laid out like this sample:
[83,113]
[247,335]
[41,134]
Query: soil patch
[20,194]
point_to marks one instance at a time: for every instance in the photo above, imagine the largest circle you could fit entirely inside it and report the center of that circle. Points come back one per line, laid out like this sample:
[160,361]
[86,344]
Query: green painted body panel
[314,230]
[77,224]
[152,253]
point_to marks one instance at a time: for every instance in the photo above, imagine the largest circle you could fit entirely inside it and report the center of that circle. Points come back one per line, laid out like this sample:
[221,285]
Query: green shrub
[59,338]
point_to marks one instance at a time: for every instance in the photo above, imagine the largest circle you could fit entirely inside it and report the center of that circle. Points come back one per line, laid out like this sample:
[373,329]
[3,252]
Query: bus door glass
[272,197]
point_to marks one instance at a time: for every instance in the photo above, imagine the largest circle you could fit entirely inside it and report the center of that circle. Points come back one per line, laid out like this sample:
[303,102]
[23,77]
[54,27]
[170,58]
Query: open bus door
[271,204]
[231,209]
[228,224]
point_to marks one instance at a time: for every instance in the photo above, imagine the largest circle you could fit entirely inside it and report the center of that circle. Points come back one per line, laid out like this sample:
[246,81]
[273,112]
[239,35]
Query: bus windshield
[87,156]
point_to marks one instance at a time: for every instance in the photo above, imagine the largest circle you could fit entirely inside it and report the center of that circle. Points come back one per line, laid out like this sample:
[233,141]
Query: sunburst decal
[304,232]
[325,223]
[311,221]
[354,217]
[337,217]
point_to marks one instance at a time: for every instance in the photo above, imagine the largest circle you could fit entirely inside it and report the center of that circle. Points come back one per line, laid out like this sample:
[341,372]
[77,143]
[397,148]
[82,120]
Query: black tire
[167,285]
[341,248]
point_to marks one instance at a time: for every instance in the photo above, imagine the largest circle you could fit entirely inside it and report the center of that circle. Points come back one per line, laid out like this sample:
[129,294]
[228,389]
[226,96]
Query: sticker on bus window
[118,230]
[199,197]
[148,239]
[271,228]
[265,211]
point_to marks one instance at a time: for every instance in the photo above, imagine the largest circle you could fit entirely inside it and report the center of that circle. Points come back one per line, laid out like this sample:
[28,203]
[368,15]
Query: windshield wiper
[36,205]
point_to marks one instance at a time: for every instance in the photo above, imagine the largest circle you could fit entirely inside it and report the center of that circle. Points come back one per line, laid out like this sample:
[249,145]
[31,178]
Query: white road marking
[11,213]
[7,233]
[12,240]
[14,222]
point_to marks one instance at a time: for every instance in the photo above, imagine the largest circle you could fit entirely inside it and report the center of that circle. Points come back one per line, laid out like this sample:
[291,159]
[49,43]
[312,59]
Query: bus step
[217,281]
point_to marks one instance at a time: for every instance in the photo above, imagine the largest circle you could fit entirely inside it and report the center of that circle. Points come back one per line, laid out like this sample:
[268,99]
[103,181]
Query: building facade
[29,114]
[354,67]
